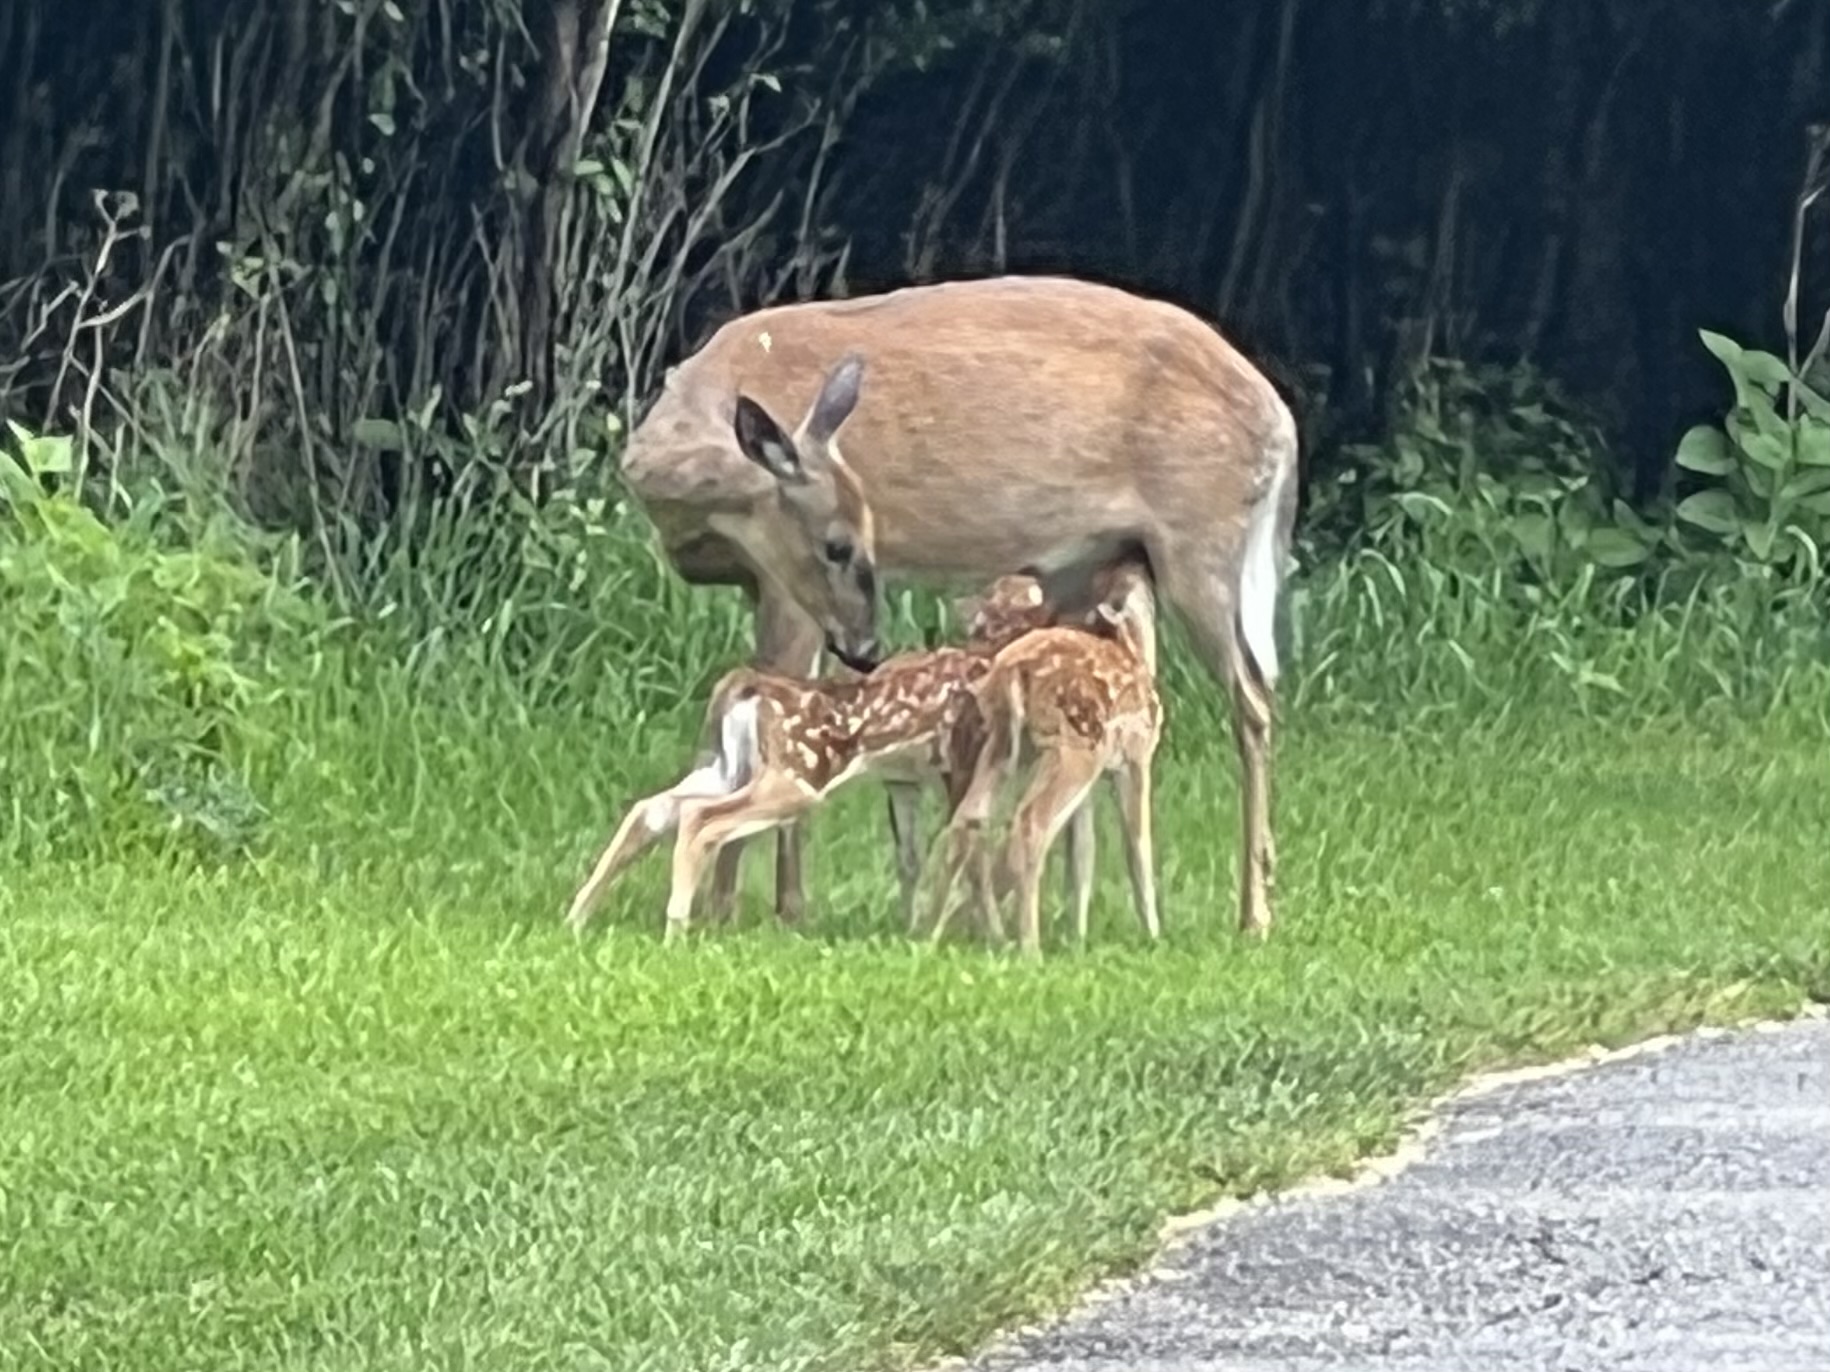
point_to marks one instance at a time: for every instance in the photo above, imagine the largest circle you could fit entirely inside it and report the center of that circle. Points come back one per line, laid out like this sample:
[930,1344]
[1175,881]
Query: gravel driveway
[1664,1212]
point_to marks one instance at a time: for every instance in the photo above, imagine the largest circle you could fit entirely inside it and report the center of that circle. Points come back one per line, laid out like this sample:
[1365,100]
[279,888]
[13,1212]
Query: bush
[131,670]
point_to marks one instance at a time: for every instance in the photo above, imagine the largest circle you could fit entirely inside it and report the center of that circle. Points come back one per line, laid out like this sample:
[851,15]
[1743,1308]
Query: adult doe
[1009,422]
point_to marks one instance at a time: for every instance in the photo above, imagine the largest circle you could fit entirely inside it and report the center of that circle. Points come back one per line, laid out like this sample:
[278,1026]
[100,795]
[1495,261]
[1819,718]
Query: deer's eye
[838,552]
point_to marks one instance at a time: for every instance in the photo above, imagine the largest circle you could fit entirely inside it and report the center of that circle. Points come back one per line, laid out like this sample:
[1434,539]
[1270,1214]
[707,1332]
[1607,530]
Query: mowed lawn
[362,1103]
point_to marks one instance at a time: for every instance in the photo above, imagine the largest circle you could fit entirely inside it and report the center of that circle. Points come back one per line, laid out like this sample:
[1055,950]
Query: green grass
[363,1104]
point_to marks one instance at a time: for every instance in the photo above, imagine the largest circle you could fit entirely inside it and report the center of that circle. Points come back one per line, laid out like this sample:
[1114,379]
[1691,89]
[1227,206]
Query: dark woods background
[350,245]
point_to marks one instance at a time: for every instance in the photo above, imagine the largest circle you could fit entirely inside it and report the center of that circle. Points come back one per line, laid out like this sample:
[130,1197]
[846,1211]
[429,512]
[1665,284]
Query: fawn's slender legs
[787,641]
[648,820]
[710,825]
[904,804]
[1077,865]
[1060,785]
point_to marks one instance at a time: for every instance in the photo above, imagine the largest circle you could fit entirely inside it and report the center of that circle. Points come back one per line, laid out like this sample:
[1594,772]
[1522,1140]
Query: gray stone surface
[1662,1213]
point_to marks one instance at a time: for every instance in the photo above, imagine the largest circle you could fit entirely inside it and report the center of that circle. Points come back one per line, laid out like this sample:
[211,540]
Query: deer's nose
[862,656]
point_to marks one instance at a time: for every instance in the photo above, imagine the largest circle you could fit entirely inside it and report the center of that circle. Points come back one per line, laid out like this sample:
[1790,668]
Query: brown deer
[779,746]
[1009,422]
[1080,706]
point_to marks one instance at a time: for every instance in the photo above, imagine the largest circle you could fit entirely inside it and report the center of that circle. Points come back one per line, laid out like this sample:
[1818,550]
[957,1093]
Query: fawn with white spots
[781,745]
[1077,706]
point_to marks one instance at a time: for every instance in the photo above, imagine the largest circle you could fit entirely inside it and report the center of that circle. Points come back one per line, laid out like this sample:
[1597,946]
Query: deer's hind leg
[1061,783]
[709,826]
[1206,590]
[648,821]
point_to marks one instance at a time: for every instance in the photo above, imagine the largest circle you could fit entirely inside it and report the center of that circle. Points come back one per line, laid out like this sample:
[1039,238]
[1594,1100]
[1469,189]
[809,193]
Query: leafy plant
[131,671]
[1487,468]
[1770,501]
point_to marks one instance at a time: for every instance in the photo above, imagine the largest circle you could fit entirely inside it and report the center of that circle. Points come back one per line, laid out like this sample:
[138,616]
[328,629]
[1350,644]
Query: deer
[1010,421]
[774,747]
[1080,706]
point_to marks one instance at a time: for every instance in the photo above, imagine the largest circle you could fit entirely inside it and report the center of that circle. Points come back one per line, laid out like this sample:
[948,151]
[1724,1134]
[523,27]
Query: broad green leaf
[1814,404]
[1766,371]
[52,455]
[587,166]
[1628,518]
[1616,547]
[1534,533]
[1766,449]
[1759,535]
[1807,482]
[1705,449]
[1712,510]
[1725,348]
[1418,505]
[1813,441]
[378,433]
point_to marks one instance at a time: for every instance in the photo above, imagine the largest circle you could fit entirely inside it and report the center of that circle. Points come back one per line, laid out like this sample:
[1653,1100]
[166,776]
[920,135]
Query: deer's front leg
[787,641]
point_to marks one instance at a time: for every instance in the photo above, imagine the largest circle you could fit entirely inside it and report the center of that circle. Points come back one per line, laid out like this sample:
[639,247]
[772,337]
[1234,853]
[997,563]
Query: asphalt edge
[1425,1124]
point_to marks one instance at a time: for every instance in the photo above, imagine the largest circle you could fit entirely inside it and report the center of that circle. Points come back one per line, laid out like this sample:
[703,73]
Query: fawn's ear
[1108,614]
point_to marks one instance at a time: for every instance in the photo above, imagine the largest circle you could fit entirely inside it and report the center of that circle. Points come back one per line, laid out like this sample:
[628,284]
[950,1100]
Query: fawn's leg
[1132,784]
[647,821]
[982,752]
[787,641]
[708,826]
[1062,779]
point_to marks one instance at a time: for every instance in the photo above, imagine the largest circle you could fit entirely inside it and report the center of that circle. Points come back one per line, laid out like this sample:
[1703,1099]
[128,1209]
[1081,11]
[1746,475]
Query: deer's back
[1001,420]
[1077,688]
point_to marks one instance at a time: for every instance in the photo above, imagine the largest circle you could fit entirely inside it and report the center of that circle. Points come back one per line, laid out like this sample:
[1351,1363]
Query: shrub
[131,670]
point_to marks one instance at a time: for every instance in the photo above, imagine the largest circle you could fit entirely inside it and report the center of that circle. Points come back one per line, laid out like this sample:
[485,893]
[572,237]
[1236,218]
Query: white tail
[1010,422]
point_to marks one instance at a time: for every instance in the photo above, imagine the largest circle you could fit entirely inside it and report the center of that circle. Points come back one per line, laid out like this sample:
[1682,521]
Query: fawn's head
[1126,608]
[1010,608]
[815,533]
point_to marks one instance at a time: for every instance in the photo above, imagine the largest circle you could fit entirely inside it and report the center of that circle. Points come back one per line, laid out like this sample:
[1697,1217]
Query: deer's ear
[837,399]
[762,440]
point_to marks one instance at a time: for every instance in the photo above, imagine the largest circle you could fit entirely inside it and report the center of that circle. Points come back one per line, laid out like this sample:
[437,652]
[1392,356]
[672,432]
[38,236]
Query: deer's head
[1126,608]
[813,533]
[1011,607]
